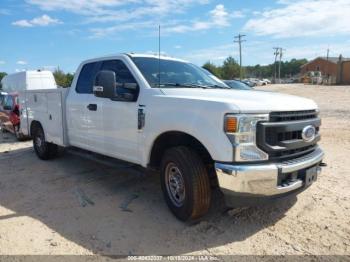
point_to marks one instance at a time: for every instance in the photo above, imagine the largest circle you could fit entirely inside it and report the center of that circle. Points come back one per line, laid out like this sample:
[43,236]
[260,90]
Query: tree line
[63,79]
[230,69]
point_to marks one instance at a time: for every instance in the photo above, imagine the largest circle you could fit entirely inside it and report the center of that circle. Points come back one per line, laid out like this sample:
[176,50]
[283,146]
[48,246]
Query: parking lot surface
[73,205]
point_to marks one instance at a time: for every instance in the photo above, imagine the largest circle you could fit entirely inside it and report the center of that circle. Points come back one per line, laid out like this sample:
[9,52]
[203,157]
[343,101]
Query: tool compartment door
[54,129]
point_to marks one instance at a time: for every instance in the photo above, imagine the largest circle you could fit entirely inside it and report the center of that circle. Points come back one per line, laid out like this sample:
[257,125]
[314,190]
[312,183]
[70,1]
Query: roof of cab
[156,56]
[131,55]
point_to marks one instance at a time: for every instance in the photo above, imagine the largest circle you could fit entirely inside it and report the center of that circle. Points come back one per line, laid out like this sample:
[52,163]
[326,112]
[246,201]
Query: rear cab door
[82,112]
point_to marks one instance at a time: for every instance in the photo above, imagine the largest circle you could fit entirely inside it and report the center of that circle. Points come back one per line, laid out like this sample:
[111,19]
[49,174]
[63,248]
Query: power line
[239,39]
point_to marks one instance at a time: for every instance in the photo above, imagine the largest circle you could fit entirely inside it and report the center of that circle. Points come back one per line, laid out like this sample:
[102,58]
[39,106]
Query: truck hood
[245,101]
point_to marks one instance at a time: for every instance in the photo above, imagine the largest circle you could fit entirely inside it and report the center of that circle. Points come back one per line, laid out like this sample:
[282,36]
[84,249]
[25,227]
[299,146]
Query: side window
[122,73]
[86,78]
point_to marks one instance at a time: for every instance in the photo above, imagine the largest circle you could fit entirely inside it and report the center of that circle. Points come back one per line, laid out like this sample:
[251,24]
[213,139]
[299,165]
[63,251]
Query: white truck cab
[169,115]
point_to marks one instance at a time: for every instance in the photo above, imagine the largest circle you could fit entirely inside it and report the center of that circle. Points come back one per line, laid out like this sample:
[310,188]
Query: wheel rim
[39,140]
[175,184]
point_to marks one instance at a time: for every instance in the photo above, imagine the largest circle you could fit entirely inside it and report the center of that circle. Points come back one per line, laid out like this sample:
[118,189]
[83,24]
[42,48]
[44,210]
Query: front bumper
[266,180]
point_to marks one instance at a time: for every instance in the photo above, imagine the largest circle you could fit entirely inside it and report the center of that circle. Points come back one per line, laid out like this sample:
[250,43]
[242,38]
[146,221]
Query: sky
[46,34]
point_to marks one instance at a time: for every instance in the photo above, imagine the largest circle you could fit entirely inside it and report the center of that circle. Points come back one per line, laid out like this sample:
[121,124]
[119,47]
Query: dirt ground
[73,205]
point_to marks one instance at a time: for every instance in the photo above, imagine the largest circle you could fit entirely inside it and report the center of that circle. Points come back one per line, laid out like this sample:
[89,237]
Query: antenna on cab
[159,56]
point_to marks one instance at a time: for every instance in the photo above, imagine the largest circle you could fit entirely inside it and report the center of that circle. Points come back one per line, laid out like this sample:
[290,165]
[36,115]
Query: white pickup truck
[172,116]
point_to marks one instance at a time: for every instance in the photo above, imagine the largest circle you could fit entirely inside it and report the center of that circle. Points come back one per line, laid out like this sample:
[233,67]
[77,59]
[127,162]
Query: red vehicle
[10,115]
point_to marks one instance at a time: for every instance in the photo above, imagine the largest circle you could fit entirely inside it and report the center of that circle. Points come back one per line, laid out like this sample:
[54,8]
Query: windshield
[175,74]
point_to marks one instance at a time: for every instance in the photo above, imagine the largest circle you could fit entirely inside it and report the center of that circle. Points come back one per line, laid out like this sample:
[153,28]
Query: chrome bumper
[262,179]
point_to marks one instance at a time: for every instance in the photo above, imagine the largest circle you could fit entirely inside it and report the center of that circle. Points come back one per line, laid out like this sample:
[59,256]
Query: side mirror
[129,86]
[105,84]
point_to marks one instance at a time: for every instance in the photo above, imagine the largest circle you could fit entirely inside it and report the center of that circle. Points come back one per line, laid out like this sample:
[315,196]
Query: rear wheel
[43,149]
[185,183]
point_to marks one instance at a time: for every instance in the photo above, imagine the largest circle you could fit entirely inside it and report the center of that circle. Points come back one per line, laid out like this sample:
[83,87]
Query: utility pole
[327,53]
[279,64]
[327,73]
[239,40]
[276,53]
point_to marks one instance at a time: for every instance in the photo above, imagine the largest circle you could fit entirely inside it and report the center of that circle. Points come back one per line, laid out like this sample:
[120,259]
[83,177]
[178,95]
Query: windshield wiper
[183,85]
[217,86]
[192,85]
[189,85]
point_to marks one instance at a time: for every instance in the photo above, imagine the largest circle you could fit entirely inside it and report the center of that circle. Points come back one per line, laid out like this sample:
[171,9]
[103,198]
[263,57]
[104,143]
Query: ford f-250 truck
[171,116]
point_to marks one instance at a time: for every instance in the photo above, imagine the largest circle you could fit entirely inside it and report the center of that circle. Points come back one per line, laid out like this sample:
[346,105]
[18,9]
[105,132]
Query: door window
[86,78]
[123,75]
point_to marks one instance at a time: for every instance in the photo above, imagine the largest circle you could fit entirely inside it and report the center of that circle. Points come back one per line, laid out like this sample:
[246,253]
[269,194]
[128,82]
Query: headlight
[241,130]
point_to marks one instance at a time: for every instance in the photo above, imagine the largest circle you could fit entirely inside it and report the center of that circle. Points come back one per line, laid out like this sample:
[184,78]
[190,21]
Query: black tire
[43,149]
[195,201]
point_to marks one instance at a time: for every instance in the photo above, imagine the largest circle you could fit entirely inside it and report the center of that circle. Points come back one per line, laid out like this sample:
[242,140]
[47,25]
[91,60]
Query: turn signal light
[231,125]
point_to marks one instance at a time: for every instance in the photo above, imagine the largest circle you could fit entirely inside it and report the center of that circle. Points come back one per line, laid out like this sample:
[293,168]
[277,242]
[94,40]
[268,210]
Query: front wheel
[185,183]
[43,149]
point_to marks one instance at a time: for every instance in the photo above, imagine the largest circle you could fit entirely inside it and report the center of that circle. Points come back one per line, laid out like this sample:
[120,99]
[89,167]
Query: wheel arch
[170,139]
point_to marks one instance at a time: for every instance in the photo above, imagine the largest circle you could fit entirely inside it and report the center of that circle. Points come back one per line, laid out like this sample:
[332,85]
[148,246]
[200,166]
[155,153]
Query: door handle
[92,107]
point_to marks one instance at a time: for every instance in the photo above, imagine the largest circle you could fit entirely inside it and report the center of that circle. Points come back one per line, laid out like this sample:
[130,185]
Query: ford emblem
[308,134]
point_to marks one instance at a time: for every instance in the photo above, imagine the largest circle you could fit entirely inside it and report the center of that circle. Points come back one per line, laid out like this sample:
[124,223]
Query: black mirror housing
[130,86]
[105,84]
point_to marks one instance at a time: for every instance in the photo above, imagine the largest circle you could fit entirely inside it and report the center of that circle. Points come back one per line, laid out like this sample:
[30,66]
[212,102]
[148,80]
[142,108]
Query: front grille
[292,115]
[273,139]
[281,137]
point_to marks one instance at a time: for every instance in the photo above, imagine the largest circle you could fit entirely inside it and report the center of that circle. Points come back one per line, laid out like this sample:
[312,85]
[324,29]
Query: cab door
[120,115]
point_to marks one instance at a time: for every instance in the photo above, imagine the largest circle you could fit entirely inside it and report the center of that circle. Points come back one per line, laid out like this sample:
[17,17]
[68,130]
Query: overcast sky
[46,34]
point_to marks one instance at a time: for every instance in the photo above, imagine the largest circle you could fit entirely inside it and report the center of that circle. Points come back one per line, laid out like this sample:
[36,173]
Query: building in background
[334,70]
